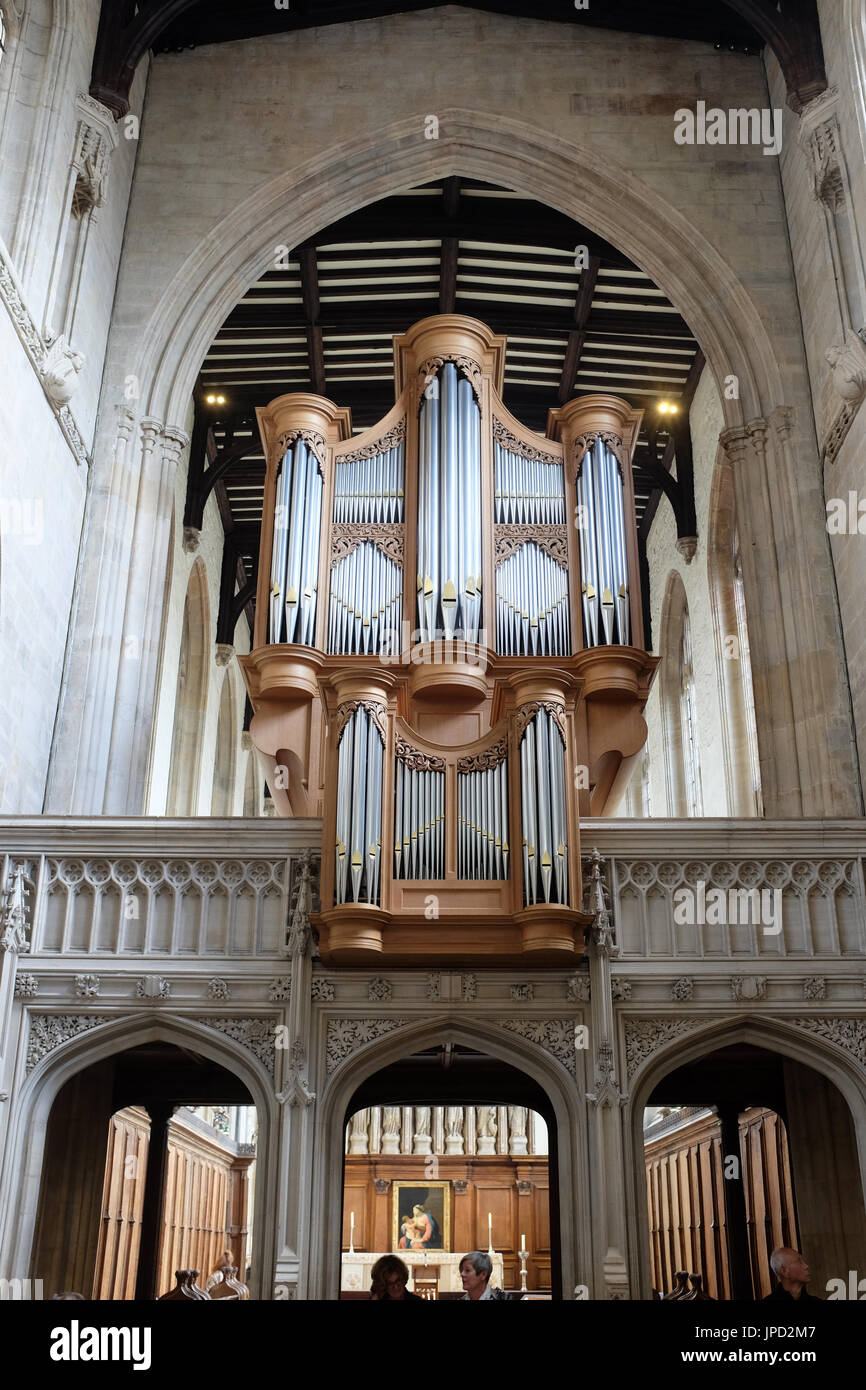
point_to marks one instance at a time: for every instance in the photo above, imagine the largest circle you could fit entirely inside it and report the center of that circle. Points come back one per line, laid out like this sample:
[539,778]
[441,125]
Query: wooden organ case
[448,661]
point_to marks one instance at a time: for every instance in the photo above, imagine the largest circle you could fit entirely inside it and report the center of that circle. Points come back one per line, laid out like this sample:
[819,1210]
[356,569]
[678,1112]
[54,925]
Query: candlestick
[523,1256]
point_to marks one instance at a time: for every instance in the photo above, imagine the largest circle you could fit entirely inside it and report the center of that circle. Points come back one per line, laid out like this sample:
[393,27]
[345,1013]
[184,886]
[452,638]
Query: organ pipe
[603,548]
[295,554]
[370,489]
[365,602]
[358,846]
[482,823]
[528,492]
[543,811]
[449,508]
[419,816]
[532,616]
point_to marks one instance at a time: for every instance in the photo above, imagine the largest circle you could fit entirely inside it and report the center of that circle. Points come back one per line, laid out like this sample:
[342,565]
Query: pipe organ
[448,665]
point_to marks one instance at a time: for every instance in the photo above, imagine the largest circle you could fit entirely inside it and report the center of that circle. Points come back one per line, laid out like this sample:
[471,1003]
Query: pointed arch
[733,654]
[26,1139]
[190,696]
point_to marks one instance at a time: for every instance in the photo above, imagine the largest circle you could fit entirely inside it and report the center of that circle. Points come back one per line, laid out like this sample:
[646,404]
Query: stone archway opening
[449,1150]
[747,1150]
[148,1168]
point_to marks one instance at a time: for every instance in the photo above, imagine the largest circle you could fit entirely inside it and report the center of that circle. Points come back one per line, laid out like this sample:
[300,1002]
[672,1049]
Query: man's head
[475,1271]
[789,1267]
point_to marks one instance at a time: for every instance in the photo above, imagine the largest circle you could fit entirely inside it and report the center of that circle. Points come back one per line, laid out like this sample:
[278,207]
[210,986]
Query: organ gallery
[433,656]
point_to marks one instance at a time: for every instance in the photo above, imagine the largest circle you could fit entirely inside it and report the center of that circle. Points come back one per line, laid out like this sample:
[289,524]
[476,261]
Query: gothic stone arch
[566,1100]
[697,1037]
[22,1172]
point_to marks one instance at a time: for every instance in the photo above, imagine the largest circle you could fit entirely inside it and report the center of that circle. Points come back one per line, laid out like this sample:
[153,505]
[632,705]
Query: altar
[440,1266]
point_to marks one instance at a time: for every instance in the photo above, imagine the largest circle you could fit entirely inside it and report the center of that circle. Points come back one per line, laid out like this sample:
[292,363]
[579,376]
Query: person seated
[388,1279]
[792,1273]
[475,1271]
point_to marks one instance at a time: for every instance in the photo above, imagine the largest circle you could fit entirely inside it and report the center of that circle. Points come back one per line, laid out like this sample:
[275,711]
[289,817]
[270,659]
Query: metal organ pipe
[482,823]
[449,509]
[543,812]
[358,845]
[295,553]
[532,605]
[603,548]
[419,820]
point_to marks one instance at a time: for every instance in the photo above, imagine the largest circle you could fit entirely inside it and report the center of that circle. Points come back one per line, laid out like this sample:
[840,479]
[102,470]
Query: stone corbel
[60,368]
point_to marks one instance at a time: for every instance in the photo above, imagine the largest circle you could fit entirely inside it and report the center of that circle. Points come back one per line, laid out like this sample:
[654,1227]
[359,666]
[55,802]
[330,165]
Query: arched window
[679,704]
[225,755]
[190,698]
[689,720]
[733,659]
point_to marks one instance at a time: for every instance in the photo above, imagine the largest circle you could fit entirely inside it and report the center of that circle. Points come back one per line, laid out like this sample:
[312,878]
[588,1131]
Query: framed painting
[421,1216]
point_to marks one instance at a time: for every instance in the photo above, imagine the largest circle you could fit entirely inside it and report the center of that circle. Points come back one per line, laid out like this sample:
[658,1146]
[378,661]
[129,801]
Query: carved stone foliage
[86,986]
[152,987]
[347,1035]
[555,1035]
[683,988]
[254,1034]
[644,1036]
[620,990]
[815,987]
[553,540]
[468,988]
[433,987]
[522,994]
[13,912]
[467,365]
[387,536]
[35,348]
[527,712]
[314,442]
[322,991]
[847,1033]
[414,759]
[218,988]
[377,712]
[491,757]
[50,1031]
[26,986]
[280,989]
[748,987]
[577,989]
[606,1092]
[394,436]
[304,899]
[509,441]
[379,991]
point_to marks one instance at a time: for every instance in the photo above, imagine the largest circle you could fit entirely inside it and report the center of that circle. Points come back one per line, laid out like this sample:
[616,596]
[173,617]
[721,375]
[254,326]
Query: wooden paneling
[204,1204]
[515,1190]
[686,1200]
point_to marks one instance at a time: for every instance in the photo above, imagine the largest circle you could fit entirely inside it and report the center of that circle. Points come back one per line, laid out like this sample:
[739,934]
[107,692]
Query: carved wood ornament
[387,536]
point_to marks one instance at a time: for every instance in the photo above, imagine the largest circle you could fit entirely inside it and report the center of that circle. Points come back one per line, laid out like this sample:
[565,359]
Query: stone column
[102,738]
[803,714]
[605,1101]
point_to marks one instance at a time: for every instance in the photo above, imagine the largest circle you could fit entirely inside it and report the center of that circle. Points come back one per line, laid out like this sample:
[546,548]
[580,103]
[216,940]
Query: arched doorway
[762,1150]
[142,1174]
[539,1078]
[450,1150]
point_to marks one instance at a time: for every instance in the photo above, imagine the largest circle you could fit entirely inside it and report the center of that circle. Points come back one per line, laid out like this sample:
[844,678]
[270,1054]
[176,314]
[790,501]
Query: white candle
[490,1228]
[523,1242]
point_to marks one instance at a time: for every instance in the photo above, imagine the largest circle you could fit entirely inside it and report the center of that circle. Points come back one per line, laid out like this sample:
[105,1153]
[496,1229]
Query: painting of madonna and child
[421,1216]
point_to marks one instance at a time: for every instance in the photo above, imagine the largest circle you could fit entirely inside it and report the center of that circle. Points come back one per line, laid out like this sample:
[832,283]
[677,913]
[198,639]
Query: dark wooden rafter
[656,463]
[450,248]
[127,30]
[209,465]
[577,336]
[232,604]
[308,261]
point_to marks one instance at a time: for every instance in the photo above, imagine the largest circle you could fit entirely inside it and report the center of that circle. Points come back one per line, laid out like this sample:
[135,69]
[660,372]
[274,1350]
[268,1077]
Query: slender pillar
[154,1186]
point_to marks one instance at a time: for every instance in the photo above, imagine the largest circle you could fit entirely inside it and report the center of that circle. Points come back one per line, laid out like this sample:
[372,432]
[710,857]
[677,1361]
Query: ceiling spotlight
[665,408]
[211,400]
[221,400]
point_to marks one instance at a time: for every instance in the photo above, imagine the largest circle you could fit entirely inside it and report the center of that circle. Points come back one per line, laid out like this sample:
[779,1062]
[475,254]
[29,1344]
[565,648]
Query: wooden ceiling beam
[577,337]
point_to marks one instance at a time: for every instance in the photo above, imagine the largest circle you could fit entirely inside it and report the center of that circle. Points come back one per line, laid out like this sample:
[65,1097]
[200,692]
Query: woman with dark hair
[388,1279]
